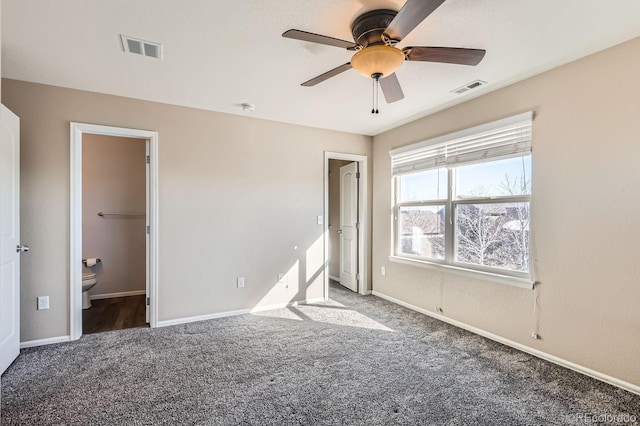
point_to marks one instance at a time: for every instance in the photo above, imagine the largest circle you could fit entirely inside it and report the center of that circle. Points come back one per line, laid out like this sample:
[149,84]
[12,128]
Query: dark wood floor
[114,314]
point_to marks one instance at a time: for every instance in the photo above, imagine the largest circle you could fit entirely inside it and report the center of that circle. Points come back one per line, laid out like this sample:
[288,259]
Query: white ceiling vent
[142,47]
[469,86]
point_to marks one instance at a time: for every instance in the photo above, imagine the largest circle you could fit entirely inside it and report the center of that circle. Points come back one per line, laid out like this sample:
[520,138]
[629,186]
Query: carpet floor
[355,360]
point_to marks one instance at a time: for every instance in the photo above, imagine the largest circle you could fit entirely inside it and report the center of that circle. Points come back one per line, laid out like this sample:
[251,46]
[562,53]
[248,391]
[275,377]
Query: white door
[348,231]
[10,247]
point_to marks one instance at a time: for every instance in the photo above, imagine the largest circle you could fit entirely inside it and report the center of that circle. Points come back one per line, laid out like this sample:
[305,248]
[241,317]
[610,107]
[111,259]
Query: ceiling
[219,54]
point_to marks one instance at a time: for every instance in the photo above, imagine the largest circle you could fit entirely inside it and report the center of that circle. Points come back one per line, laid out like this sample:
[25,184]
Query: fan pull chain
[373,96]
[376,93]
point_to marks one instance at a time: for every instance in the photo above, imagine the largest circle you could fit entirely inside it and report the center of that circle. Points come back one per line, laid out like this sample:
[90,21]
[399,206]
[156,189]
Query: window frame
[417,203]
[487,200]
[520,278]
[501,139]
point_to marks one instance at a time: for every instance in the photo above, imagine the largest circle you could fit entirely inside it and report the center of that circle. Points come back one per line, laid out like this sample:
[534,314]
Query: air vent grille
[142,47]
[467,87]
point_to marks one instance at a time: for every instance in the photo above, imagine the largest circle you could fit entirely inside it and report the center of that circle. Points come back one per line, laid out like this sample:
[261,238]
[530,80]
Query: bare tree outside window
[495,234]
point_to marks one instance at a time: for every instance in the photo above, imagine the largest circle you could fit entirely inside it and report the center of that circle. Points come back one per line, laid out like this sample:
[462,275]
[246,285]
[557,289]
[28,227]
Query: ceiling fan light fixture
[379,59]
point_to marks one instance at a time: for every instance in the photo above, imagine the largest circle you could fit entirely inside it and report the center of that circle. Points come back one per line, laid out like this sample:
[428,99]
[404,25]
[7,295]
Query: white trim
[206,317]
[42,342]
[153,212]
[519,346]
[118,294]
[331,277]
[75,218]
[526,283]
[363,161]
[75,234]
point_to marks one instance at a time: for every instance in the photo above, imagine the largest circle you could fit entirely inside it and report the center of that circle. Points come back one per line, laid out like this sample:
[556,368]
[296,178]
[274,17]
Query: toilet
[88,281]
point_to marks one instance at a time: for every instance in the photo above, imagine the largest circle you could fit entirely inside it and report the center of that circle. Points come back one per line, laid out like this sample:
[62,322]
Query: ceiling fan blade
[450,55]
[412,13]
[317,38]
[327,75]
[391,88]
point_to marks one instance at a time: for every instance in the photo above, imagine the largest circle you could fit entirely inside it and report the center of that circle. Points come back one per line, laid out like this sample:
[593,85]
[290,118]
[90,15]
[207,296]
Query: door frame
[75,219]
[363,248]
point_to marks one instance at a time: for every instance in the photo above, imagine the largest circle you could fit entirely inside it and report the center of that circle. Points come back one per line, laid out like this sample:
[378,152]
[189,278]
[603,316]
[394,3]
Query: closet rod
[120,215]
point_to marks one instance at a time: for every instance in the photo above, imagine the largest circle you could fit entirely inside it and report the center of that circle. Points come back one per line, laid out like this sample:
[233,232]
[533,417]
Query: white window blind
[501,139]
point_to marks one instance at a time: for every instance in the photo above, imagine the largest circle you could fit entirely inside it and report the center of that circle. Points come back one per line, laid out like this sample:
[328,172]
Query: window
[464,199]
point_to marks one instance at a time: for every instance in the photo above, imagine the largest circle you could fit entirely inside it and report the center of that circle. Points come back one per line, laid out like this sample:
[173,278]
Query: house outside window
[463,200]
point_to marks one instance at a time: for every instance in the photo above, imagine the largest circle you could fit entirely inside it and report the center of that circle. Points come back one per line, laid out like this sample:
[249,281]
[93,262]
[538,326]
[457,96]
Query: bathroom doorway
[113,232]
[113,228]
[345,233]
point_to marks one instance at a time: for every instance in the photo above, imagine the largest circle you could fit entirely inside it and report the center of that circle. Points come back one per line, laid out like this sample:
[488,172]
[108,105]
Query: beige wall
[585,207]
[114,181]
[225,210]
[334,216]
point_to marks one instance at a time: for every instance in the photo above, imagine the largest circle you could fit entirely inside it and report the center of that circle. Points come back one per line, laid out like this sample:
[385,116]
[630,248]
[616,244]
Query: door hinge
[357,175]
[148,159]
[358,277]
[148,229]
[357,225]
[148,301]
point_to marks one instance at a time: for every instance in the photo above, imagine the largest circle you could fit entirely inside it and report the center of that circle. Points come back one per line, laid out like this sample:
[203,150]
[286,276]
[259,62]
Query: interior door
[348,226]
[10,247]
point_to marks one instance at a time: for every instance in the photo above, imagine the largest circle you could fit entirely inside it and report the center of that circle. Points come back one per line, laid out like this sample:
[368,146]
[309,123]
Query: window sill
[526,283]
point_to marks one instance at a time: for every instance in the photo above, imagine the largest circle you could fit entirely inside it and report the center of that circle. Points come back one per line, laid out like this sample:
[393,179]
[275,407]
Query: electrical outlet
[43,302]
[280,278]
[240,282]
[383,271]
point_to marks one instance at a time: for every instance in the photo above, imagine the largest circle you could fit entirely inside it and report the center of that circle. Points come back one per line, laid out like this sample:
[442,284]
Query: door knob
[339,231]
[22,249]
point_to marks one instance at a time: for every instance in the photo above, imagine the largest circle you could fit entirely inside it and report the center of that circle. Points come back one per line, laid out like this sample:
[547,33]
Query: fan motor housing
[367,29]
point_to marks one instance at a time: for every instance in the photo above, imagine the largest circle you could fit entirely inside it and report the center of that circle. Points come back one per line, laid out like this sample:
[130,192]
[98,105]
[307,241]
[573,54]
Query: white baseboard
[42,342]
[186,320]
[334,278]
[119,294]
[543,355]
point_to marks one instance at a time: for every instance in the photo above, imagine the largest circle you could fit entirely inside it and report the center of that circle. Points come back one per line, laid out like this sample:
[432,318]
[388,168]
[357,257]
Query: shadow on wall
[301,275]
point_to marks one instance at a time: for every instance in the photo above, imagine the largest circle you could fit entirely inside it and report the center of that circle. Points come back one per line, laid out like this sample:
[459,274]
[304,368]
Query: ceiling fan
[375,35]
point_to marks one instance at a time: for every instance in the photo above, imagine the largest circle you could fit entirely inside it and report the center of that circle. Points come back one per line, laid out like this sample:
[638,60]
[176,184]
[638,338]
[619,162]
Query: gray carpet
[352,361]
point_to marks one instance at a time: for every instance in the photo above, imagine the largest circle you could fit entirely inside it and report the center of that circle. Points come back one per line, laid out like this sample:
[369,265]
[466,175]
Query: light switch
[320,221]
[43,302]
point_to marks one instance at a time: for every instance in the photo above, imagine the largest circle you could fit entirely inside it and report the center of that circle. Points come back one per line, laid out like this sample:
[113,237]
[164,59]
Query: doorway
[110,219]
[114,180]
[346,224]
